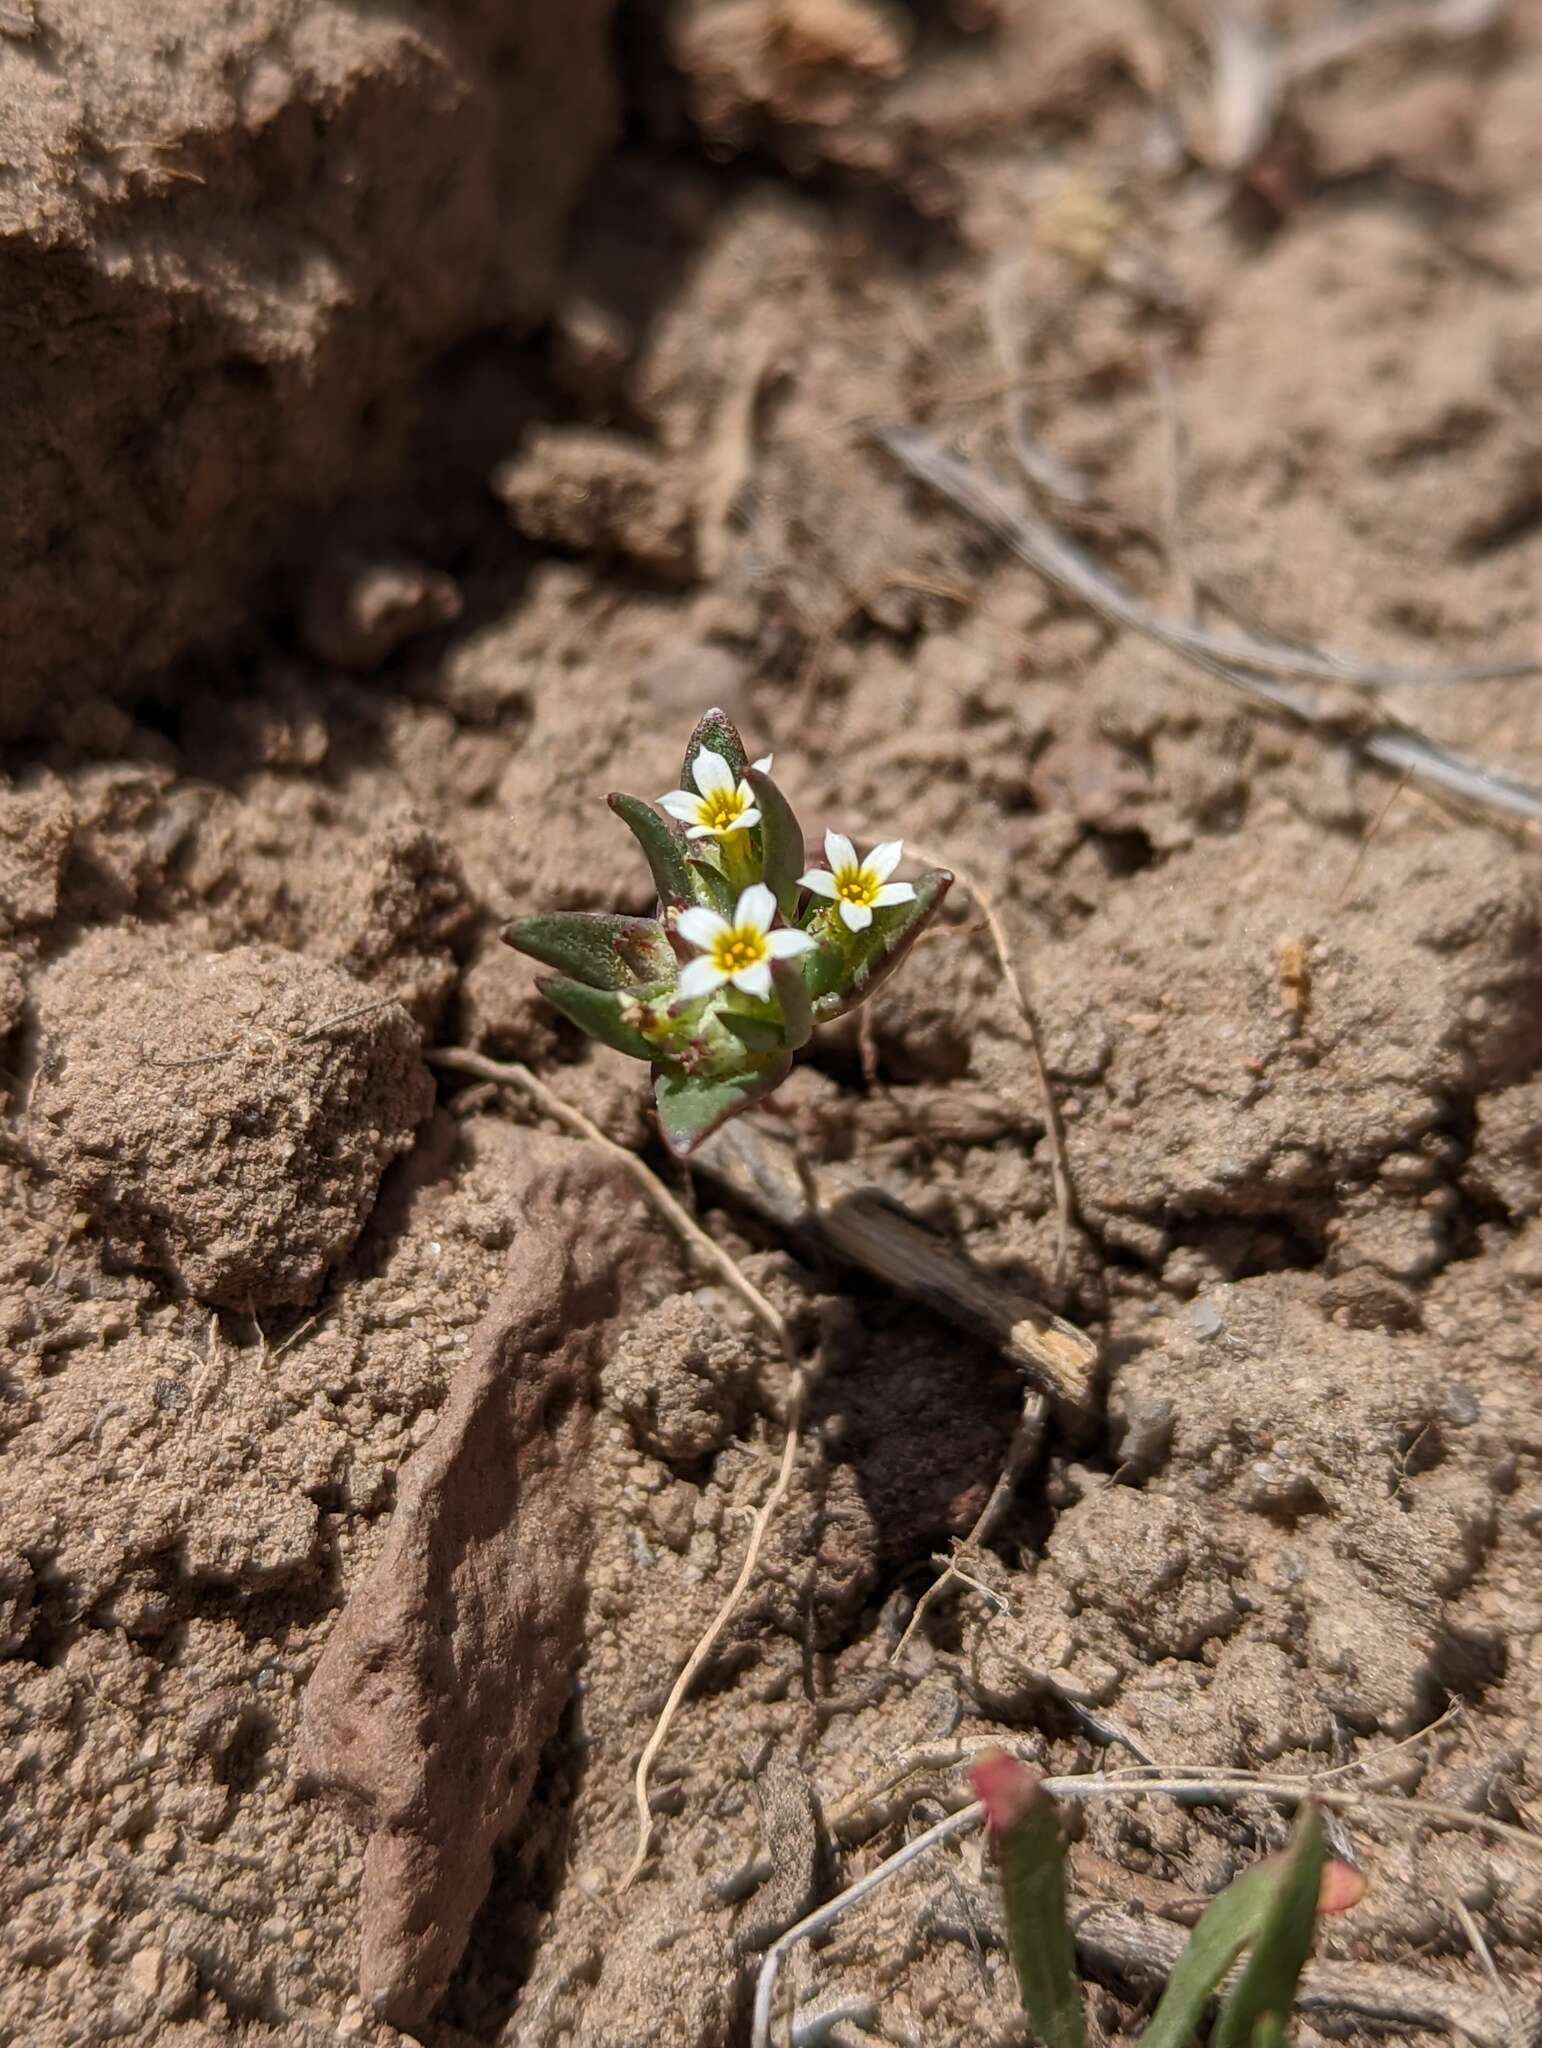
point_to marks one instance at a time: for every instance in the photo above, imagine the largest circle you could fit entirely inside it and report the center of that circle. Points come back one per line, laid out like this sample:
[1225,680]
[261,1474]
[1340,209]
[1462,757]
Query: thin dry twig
[1175,451]
[1253,67]
[1452,1711]
[1023,1449]
[275,1039]
[860,1224]
[960,1823]
[1002,309]
[1261,667]
[709,1638]
[1478,1942]
[514,1075]
[1366,837]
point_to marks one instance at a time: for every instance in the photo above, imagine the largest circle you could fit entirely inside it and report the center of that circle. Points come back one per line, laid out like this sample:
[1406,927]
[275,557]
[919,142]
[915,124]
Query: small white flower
[859,887]
[718,805]
[740,952]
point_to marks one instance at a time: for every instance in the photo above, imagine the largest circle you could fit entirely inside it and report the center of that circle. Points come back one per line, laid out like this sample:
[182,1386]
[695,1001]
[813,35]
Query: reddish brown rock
[452,1662]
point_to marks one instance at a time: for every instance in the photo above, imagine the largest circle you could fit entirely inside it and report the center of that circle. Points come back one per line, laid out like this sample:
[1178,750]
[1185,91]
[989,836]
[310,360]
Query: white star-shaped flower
[740,952]
[719,804]
[859,886]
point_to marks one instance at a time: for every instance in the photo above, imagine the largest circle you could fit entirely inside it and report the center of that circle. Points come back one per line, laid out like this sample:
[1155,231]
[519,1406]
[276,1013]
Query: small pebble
[1207,1319]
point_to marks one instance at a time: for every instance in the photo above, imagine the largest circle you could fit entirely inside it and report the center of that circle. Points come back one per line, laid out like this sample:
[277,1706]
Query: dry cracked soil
[419,415]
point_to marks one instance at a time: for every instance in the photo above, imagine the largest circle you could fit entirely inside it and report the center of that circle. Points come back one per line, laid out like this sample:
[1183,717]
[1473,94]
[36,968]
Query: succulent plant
[750,946]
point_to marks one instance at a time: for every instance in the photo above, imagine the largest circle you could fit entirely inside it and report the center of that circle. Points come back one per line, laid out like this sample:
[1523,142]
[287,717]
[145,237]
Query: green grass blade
[1266,1990]
[1227,1927]
[1025,1837]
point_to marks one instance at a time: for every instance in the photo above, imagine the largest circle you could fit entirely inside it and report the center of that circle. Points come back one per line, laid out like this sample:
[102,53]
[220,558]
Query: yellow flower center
[721,811]
[738,949]
[856,885]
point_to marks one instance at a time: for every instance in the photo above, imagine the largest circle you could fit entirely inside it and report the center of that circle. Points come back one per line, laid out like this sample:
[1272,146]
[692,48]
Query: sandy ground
[1293,1015]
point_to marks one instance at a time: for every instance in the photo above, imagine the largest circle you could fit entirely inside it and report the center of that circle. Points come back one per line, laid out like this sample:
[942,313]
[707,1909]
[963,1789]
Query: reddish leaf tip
[1342,1887]
[1007,1789]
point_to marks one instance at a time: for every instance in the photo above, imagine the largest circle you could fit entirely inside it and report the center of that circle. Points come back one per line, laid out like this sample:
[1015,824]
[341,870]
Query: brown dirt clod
[223,1118]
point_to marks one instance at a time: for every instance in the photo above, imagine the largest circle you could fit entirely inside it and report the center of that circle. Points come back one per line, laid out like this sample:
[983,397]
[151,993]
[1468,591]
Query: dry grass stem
[1262,668]
[708,1640]
[1001,306]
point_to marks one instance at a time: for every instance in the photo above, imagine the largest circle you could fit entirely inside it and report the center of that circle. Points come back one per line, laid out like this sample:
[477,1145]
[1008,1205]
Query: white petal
[757,907]
[710,772]
[702,832]
[700,976]
[681,804]
[856,916]
[883,860]
[764,763]
[783,944]
[745,819]
[894,892]
[756,980]
[818,880]
[839,851]
[699,926]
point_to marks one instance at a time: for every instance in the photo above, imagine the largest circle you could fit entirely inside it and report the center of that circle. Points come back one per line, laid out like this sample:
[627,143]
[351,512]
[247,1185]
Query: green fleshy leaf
[596,947]
[1239,1916]
[760,1034]
[821,971]
[1266,1990]
[797,1010]
[709,885]
[692,1107]
[600,1012]
[1025,1837]
[663,844]
[716,731]
[781,842]
[876,953]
